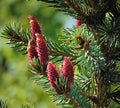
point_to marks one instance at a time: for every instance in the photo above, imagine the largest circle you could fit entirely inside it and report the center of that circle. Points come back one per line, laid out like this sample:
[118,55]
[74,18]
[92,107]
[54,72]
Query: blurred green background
[16,86]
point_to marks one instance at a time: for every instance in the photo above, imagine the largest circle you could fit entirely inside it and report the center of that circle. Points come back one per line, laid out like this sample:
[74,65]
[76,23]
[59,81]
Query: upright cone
[52,75]
[40,46]
[68,71]
[31,51]
[42,49]
[34,26]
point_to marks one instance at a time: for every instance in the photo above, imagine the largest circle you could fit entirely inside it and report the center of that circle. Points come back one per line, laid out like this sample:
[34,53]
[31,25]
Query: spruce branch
[37,68]
[18,37]
[71,101]
[96,56]
[91,97]
[73,3]
[60,51]
[43,81]
[73,97]
[67,98]
[75,8]
[76,96]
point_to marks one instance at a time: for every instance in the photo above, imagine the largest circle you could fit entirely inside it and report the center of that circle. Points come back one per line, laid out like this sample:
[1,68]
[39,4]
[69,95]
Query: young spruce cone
[68,71]
[34,27]
[31,51]
[53,76]
[42,50]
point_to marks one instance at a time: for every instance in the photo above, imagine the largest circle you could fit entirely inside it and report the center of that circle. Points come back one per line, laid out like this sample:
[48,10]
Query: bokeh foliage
[16,85]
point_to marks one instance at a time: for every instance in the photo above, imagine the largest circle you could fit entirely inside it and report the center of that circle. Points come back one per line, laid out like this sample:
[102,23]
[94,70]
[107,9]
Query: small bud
[52,75]
[31,51]
[79,38]
[87,44]
[42,49]
[78,22]
[68,71]
[80,42]
[34,27]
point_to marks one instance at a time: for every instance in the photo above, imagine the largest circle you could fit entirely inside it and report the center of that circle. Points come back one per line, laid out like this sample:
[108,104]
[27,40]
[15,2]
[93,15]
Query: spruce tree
[83,69]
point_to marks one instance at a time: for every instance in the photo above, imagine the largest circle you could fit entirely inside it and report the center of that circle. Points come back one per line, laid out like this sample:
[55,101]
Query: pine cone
[52,75]
[42,49]
[34,27]
[31,51]
[68,71]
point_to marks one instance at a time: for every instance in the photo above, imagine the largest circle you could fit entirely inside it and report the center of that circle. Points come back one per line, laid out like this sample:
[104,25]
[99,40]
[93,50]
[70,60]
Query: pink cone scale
[52,75]
[68,71]
[34,26]
[42,49]
[31,51]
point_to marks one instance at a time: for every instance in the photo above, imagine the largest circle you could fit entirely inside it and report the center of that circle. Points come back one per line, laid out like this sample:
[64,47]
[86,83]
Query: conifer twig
[72,101]
[91,97]
[70,3]
[64,54]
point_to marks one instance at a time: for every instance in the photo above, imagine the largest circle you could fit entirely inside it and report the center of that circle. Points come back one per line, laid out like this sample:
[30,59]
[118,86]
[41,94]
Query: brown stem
[72,101]
[16,36]
[101,92]
[91,97]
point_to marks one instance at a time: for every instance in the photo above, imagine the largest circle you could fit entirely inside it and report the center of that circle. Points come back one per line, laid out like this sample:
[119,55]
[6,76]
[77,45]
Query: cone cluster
[53,76]
[37,48]
[67,72]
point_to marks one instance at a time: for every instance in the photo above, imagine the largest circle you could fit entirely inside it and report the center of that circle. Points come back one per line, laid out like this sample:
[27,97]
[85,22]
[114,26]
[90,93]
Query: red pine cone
[34,26]
[52,75]
[31,51]
[42,49]
[68,71]
[78,22]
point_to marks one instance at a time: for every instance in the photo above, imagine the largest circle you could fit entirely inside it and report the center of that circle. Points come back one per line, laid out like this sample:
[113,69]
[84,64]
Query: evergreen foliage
[17,36]
[93,48]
